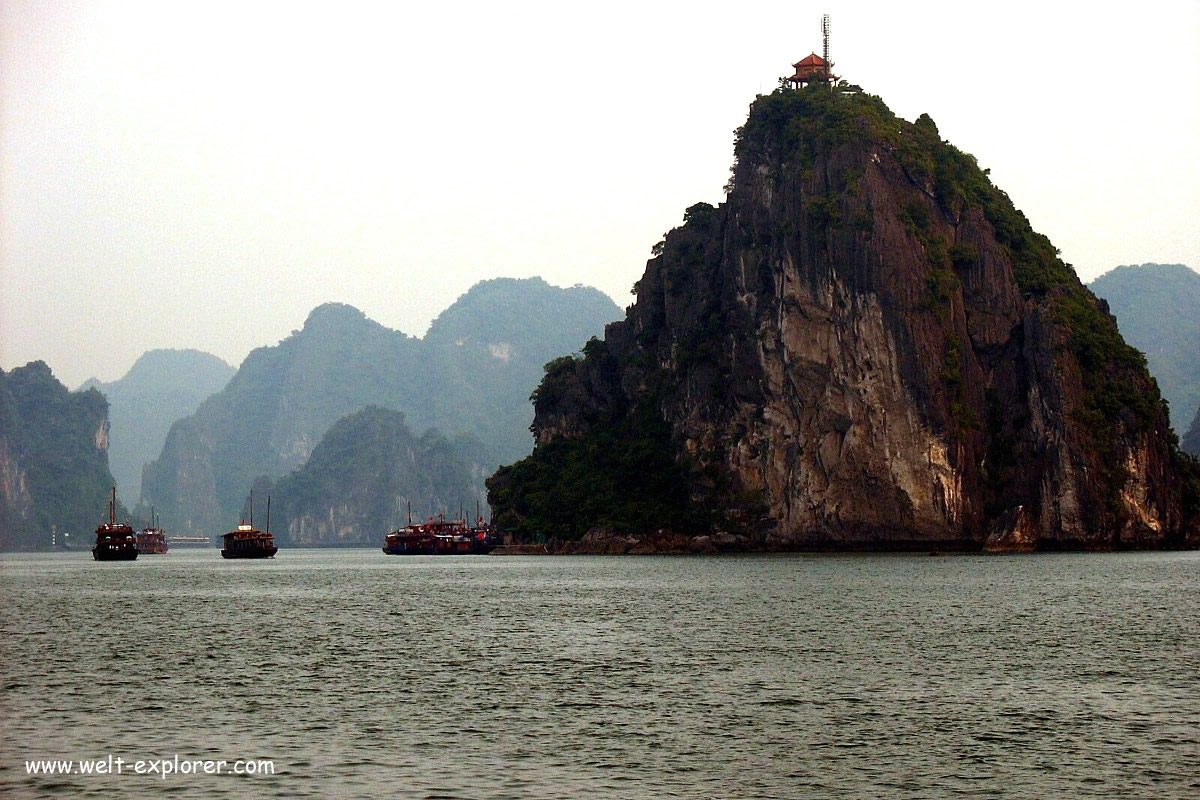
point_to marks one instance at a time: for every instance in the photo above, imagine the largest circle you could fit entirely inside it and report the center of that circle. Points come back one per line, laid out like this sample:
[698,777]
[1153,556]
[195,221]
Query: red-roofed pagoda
[810,68]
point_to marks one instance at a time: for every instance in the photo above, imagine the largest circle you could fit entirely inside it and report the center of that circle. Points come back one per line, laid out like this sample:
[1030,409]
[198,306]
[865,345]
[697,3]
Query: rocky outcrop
[866,347]
[607,541]
[1013,532]
[16,503]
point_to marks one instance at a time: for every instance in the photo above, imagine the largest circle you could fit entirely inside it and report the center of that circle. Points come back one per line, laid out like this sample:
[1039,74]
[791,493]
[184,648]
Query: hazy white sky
[184,174]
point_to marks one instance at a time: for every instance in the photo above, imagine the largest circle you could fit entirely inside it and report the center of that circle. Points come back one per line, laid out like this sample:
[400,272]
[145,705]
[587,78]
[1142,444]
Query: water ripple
[361,675]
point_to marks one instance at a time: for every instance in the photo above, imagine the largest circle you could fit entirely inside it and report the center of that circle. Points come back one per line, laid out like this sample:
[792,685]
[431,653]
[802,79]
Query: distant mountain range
[471,373]
[161,387]
[54,477]
[1157,307]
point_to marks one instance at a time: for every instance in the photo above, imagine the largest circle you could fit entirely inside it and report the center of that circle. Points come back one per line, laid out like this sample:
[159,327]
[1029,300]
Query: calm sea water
[363,675]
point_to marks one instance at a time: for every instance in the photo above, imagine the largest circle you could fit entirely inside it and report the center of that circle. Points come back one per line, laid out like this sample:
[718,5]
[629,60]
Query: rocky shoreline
[1011,535]
[606,541]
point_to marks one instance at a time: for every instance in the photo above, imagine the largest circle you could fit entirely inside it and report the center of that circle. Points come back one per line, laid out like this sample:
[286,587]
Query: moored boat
[246,541]
[412,540]
[114,541]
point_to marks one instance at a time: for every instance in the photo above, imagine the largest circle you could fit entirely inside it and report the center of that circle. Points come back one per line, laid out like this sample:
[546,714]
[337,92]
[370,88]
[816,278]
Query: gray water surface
[363,675]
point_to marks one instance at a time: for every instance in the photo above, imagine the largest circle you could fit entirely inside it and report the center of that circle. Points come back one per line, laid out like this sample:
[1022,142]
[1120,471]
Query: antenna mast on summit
[825,39]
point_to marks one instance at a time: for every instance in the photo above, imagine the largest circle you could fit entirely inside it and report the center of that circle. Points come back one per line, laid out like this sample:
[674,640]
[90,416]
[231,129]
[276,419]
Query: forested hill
[486,352]
[366,473]
[54,477]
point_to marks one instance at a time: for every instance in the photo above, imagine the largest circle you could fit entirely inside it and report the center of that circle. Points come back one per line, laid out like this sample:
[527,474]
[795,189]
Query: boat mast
[268,513]
[112,508]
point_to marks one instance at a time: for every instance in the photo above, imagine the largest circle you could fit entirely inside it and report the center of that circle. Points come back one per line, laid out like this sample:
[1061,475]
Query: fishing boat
[114,541]
[247,541]
[152,540]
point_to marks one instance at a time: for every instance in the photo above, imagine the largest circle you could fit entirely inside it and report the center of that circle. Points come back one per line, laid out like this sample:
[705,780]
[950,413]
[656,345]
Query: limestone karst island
[866,346]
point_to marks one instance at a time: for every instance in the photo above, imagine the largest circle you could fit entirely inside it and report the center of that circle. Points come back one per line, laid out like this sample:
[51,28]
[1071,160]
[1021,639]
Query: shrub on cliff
[621,476]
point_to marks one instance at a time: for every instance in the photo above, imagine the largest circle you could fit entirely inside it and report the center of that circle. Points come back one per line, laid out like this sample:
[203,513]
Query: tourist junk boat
[114,542]
[246,541]
[152,540]
[440,537]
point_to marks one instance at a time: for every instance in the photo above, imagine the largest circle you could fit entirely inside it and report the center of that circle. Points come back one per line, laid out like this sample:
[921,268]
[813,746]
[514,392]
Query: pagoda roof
[811,60]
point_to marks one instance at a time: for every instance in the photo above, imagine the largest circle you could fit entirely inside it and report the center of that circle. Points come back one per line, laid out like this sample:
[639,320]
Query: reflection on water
[366,675]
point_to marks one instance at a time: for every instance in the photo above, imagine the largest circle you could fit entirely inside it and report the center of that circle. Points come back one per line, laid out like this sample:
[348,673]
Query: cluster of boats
[117,541]
[438,536]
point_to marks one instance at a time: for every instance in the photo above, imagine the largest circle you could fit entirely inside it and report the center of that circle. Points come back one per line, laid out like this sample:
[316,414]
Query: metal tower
[825,39]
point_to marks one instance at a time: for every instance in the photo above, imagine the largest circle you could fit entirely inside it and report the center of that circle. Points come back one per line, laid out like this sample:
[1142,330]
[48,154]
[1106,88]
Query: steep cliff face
[54,477]
[867,346]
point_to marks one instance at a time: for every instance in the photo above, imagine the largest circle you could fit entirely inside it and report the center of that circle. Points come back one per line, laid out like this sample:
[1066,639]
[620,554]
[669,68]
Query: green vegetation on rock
[620,476]
[53,462]
[795,125]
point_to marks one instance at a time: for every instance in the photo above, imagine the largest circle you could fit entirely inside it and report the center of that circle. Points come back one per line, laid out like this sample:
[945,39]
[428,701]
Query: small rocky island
[865,347]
